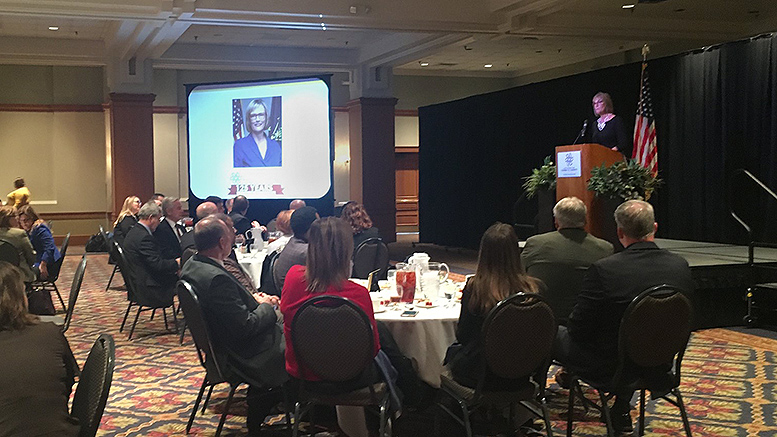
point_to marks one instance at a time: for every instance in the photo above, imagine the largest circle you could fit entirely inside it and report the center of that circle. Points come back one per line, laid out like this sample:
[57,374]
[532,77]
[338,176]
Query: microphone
[582,131]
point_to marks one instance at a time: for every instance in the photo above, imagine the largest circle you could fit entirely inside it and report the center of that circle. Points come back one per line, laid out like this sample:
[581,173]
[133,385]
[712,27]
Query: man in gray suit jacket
[560,258]
[244,326]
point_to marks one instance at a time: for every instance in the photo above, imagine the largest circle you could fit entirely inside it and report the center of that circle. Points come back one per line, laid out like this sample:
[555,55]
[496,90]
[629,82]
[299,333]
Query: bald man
[204,209]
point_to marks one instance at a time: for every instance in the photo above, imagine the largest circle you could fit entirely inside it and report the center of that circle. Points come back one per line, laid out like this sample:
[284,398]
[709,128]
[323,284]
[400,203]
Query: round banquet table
[424,338]
[252,264]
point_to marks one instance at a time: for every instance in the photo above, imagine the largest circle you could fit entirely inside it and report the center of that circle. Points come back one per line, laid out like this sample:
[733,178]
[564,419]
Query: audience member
[37,368]
[296,250]
[46,252]
[230,262]
[169,231]
[570,246]
[216,200]
[326,271]
[203,210]
[128,217]
[293,206]
[238,214]
[20,195]
[359,221]
[228,205]
[157,198]
[282,225]
[244,326]
[589,344]
[154,276]
[10,232]
[499,274]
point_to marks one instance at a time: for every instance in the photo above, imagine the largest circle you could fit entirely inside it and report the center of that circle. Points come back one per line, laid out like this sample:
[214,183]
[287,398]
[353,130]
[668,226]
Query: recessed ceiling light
[488,65]
[53,27]
[323,28]
[320,15]
[538,51]
[628,6]
[680,10]
[424,64]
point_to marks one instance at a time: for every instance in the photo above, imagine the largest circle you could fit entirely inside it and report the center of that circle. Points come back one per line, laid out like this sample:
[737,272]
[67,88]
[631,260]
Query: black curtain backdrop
[716,111]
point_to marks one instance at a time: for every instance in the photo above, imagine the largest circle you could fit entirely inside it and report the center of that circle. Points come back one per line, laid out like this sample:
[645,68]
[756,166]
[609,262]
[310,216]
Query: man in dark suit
[239,209]
[547,256]
[244,326]
[153,275]
[589,343]
[169,232]
[204,209]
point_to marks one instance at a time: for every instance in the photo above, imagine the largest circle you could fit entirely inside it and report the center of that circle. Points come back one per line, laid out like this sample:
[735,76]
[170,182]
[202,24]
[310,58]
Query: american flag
[237,119]
[645,148]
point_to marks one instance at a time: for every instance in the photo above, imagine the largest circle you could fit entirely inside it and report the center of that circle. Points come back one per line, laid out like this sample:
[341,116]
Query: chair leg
[183,332]
[152,314]
[607,415]
[295,428]
[641,424]
[287,407]
[207,399]
[59,295]
[116,267]
[465,414]
[546,417]
[383,416]
[132,329]
[175,320]
[683,413]
[126,314]
[226,410]
[196,404]
[164,315]
[571,407]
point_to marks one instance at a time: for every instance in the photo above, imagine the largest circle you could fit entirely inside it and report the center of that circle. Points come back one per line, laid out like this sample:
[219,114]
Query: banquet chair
[75,289]
[132,296]
[654,333]
[94,384]
[563,282]
[517,340]
[338,354]
[267,280]
[8,253]
[212,361]
[111,255]
[51,282]
[372,254]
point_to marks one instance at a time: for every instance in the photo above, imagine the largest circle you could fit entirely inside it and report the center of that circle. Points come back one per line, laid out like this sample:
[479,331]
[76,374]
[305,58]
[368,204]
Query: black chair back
[94,385]
[54,271]
[518,336]
[655,328]
[8,253]
[563,282]
[126,271]
[75,289]
[195,321]
[267,281]
[372,254]
[332,337]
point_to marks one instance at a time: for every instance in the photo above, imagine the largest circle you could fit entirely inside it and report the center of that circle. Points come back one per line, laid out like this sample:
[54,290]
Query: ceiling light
[53,27]
[628,6]
[320,15]
[424,64]
[488,65]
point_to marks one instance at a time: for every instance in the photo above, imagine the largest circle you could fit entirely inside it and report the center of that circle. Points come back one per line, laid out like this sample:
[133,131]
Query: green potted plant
[623,180]
[542,184]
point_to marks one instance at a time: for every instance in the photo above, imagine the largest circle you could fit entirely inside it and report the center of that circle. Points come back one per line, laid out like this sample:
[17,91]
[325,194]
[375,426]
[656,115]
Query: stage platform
[700,254]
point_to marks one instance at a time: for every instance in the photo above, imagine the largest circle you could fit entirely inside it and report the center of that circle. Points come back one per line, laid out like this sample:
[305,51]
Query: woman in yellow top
[20,196]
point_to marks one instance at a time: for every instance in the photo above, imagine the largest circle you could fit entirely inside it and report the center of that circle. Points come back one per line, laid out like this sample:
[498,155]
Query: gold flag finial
[645,51]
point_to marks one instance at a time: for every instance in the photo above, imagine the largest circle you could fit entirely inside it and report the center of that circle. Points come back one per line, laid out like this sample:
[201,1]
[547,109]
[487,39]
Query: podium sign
[573,169]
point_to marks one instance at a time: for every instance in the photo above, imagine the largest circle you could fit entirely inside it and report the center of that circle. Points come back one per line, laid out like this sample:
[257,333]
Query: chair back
[372,254]
[655,328]
[267,280]
[187,253]
[563,282]
[125,270]
[518,336]
[94,385]
[8,253]
[195,321]
[332,337]
[75,289]
[58,264]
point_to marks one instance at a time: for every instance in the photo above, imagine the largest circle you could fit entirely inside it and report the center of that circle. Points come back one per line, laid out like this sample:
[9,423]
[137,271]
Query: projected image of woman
[257,149]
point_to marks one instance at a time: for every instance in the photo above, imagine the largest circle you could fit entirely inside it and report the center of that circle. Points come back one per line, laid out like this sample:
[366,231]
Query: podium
[573,169]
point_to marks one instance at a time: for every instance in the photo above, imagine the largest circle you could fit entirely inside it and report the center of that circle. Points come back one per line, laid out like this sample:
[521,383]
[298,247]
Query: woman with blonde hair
[499,275]
[127,218]
[38,370]
[359,221]
[46,252]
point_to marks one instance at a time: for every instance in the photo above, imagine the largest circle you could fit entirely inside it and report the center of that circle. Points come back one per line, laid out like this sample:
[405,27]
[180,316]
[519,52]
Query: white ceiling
[455,37]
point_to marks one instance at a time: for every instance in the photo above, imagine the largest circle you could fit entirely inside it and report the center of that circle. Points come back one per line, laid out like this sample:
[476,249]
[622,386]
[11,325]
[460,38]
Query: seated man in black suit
[154,276]
[169,232]
[546,255]
[204,209]
[589,343]
[238,214]
[244,326]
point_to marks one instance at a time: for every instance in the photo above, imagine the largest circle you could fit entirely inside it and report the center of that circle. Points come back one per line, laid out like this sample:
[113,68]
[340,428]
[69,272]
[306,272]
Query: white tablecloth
[425,337]
[252,264]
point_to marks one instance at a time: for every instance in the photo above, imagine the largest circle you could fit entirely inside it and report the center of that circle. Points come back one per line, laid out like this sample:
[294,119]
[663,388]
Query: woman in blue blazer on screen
[256,149]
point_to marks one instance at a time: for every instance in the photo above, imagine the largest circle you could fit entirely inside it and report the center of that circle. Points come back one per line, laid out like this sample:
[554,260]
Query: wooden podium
[573,181]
